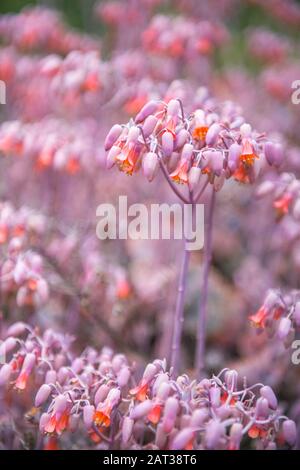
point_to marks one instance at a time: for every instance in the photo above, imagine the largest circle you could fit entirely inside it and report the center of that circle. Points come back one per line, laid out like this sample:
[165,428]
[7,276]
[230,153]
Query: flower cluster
[51,143]
[42,29]
[181,37]
[22,269]
[215,144]
[279,315]
[267,46]
[285,189]
[97,391]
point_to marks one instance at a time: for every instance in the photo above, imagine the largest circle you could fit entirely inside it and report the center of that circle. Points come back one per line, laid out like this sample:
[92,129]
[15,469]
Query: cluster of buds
[115,12]
[42,29]
[285,190]
[51,143]
[267,46]
[94,391]
[215,144]
[181,37]
[279,316]
[22,269]
[277,81]
[75,75]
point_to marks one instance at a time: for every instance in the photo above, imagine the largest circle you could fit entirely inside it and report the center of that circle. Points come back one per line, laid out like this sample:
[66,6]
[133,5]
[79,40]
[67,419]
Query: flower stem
[201,329]
[179,312]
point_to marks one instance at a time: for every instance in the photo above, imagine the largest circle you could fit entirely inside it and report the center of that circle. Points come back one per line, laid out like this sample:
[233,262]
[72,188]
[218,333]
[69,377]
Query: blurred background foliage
[80,14]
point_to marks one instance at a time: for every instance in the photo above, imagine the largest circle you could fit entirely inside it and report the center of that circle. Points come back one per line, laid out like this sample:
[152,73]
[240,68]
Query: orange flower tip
[259,318]
[102,418]
[199,133]
[140,392]
[155,414]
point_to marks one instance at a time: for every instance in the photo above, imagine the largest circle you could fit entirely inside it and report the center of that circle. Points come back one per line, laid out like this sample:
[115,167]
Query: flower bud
[296,315]
[265,188]
[187,152]
[60,404]
[8,345]
[173,108]
[267,392]
[51,377]
[289,432]
[194,176]
[163,391]
[214,432]
[150,165]
[262,408]
[216,160]
[284,328]
[199,417]
[213,134]
[181,138]
[245,130]
[17,329]
[127,428]
[123,376]
[215,396]
[114,396]
[167,143]
[149,125]
[20,271]
[149,372]
[133,135]
[296,210]
[42,395]
[147,109]
[111,156]
[141,410]
[170,414]
[88,416]
[74,422]
[112,136]
[63,375]
[5,373]
[29,362]
[182,439]
[77,365]
[235,151]
[160,437]
[235,436]
[101,394]
[45,417]
[274,153]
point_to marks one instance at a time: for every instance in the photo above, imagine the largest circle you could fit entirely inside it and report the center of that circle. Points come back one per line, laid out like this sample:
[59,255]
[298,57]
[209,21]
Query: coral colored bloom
[57,423]
[180,175]
[155,414]
[140,391]
[59,417]
[241,174]
[248,155]
[282,204]
[128,157]
[259,318]
[102,416]
[255,432]
[199,133]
